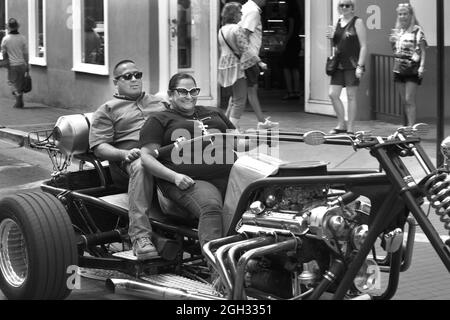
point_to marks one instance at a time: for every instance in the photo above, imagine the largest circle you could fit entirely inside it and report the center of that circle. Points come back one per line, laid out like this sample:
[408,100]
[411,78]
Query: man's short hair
[13,24]
[121,63]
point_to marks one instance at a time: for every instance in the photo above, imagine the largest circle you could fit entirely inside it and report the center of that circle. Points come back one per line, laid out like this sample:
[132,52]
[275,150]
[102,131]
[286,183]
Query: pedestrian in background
[291,51]
[251,23]
[235,57]
[92,43]
[409,44]
[349,39]
[14,45]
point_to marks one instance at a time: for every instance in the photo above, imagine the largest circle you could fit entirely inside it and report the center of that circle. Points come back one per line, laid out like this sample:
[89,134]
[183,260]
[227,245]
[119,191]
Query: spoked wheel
[37,247]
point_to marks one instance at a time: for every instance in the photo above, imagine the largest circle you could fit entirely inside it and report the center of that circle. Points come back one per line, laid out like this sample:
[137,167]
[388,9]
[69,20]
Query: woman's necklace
[194,117]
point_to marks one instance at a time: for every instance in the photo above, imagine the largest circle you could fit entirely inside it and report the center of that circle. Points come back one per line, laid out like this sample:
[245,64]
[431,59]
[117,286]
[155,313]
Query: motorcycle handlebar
[359,141]
[162,151]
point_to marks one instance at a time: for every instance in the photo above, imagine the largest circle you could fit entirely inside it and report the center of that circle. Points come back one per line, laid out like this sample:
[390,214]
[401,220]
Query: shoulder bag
[331,64]
[406,66]
[231,48]
[27,84]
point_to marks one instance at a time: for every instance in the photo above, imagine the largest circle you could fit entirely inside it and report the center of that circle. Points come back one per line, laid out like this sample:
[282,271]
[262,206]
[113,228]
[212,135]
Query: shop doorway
[282,86]
[188,45]
[283,50]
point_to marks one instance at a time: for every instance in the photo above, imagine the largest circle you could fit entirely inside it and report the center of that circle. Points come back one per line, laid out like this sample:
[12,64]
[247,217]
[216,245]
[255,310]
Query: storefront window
[90,36]
[37,34]
[94,30]
[184,34]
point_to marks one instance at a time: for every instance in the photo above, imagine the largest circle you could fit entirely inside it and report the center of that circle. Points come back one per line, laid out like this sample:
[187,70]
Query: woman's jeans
[203,200]
[239,98]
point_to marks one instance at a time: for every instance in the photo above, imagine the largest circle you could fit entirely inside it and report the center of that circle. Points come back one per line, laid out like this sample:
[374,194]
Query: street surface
[23,170]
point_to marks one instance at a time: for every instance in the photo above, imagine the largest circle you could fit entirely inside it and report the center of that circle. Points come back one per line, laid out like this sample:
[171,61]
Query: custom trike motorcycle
[302,232]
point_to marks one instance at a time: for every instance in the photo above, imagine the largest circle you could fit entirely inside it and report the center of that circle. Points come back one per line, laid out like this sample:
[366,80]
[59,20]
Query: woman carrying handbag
[349,38]
[15,46]
[234,59]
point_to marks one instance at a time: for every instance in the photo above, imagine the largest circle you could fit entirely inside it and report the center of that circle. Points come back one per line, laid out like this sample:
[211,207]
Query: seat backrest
[71,133]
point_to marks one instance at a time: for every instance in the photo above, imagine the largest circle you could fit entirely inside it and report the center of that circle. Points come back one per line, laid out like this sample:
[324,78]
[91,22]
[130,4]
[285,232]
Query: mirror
[421,129]
[314,138]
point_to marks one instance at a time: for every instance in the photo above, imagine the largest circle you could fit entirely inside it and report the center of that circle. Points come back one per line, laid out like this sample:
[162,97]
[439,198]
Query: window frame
[78,65]
[34,58]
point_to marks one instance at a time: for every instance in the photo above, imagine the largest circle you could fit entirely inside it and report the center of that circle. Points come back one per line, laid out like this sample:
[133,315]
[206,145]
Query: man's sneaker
[144,249]
[266,125]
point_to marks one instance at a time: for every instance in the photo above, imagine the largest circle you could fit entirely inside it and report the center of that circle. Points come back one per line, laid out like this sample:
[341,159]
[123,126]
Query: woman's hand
[359,72]
[420,72]
[330,32]
[183,182]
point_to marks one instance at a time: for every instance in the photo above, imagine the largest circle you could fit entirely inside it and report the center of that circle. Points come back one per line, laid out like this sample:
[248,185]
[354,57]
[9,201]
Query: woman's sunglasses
[345,5]
[128,76]
[183,92]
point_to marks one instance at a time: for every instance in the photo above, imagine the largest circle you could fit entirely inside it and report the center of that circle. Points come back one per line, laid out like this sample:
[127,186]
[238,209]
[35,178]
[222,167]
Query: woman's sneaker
[144,249]
[267,124]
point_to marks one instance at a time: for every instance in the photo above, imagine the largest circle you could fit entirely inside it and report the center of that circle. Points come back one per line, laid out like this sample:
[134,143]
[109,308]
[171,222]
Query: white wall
[426,14]
[317,50]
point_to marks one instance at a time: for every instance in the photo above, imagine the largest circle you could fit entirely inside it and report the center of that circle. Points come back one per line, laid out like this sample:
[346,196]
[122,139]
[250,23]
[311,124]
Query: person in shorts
[349,39]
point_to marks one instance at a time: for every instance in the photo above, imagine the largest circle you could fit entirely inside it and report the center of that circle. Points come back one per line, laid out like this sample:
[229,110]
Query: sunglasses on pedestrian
[130,75]
[344,5]
[183,92]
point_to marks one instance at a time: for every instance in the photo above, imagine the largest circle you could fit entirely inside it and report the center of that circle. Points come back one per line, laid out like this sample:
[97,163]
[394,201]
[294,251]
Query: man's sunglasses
[183,92]
[128,76]
[345,5]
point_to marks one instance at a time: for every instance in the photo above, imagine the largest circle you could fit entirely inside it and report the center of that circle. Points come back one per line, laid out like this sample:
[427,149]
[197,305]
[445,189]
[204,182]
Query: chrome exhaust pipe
[154,292]
[364,297]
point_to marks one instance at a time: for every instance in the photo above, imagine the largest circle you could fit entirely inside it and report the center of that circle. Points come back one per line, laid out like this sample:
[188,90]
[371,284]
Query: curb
[18,137]
[15,136]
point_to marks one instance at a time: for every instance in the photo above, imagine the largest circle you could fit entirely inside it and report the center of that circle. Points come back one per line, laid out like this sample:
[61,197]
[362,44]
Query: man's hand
[132,155]
[263,66]
[183,182]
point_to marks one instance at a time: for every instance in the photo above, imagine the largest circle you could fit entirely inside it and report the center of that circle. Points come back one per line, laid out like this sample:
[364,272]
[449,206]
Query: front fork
[401,186]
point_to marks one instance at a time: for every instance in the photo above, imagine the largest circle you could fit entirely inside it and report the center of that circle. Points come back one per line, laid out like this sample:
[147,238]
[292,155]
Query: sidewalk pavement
[17,123]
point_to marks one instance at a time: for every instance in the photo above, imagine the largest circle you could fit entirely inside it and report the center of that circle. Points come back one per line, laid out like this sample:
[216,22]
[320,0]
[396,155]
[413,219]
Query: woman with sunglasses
[196,177]
[349,39]
[409,44]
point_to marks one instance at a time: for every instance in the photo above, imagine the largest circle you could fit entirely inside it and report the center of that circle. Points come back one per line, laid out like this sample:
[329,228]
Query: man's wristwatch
[362,68]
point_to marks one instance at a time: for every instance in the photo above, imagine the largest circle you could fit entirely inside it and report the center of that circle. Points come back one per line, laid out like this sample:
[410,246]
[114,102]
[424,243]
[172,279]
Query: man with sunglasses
[114,136]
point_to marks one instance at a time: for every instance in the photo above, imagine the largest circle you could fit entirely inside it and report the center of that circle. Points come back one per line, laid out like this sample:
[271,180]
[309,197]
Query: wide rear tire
[37,246]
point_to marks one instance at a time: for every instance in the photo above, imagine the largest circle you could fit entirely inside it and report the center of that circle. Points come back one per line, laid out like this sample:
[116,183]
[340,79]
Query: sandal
[338,131]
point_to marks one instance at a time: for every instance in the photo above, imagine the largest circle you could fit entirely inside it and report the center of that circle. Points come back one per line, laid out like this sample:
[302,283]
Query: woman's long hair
[413,19]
